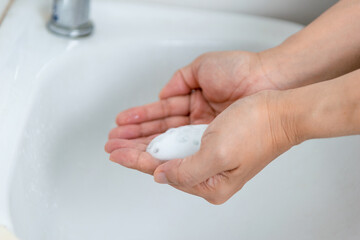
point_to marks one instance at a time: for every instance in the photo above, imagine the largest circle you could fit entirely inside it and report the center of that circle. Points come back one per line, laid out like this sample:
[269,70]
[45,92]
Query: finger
[216,190]
[183,82]
[135,159]
[114,144]
[147,128]
[176,106]
[192,170]
[146,140]
[138,143]
[201,111]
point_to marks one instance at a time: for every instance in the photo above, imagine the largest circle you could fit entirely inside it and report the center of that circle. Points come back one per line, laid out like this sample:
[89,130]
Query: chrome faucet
[70,18]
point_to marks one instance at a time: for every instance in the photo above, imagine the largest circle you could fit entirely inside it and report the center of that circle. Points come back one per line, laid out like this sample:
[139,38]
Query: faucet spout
[70,18]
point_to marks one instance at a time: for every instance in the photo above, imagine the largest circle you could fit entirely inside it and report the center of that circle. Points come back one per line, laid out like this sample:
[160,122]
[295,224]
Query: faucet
[70,18]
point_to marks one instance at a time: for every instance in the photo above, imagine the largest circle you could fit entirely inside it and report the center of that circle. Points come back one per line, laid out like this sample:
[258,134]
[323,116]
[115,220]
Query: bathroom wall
[302,11]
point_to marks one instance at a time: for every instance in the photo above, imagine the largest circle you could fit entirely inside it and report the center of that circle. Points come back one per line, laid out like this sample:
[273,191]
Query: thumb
[189,171]
[183,82]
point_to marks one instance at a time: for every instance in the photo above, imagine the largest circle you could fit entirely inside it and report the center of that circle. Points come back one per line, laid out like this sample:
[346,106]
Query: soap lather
[177,142]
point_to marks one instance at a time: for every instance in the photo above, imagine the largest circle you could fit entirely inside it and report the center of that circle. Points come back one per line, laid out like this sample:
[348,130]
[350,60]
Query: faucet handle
[71,18]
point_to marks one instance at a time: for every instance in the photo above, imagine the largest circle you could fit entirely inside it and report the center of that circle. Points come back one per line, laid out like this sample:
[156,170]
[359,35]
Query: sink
[61,98]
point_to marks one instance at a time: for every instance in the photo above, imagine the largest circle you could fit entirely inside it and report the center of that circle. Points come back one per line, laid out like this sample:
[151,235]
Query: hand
[238,144]
[196,94]
[252,132]
[255,130]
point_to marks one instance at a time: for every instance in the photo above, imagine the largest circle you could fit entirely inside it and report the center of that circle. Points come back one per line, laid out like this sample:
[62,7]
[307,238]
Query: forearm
[327,109]
[327,48]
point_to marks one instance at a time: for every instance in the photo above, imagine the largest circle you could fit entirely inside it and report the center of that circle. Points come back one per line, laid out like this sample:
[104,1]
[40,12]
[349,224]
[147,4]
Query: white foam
[177,142]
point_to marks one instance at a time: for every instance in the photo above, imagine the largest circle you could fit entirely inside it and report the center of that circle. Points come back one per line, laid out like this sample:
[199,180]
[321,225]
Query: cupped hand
[196,94]
[238,144]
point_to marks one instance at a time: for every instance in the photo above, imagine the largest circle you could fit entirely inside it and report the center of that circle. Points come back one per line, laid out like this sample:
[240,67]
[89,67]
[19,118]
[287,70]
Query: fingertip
[128,117]
[106,147]
[110,146]
[111,158]
[120,119]
[116,157]
[112,134]
[160,177]
[161,171]
[165,173]
[121,156]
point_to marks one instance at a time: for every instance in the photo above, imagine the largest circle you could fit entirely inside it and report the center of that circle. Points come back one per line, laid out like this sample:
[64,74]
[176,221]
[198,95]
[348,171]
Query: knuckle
[165,107]
[163,125]
[140,165]
[221,156]
[184,179]
[181,73]
[112,134]
[142,130]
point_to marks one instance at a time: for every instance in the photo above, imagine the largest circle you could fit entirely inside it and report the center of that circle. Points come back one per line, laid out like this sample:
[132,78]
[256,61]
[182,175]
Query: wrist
[321,110]
[285,67]
[282,120]
[325,49]
[275,68]
[292,116]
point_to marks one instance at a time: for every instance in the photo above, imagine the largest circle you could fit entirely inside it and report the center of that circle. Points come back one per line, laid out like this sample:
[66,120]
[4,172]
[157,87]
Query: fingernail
[161,178]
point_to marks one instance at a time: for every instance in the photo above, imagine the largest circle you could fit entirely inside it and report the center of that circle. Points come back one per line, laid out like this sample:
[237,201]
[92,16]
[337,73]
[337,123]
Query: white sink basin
[60,101]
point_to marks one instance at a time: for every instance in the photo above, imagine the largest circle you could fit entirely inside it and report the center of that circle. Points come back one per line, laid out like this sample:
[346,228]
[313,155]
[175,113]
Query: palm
[196,94]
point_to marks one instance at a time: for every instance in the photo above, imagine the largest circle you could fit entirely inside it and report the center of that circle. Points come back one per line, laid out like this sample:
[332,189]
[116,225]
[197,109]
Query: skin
[305,88]
[226,162]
